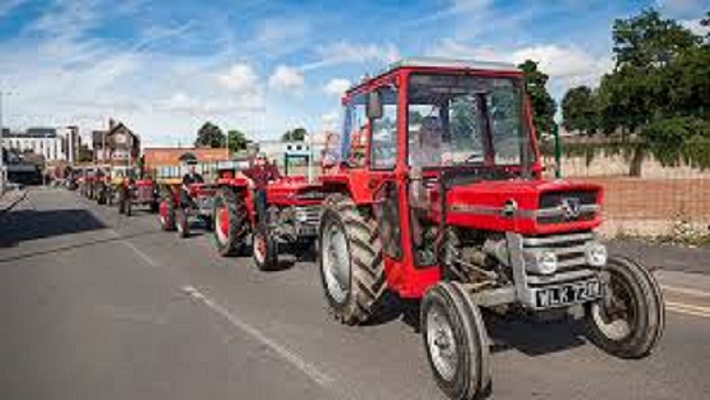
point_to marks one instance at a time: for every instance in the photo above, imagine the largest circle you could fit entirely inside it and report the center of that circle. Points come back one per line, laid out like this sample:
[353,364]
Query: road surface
[99,306]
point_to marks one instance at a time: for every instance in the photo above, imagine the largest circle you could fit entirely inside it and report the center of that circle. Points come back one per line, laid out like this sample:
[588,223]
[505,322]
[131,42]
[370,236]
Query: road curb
[6,208]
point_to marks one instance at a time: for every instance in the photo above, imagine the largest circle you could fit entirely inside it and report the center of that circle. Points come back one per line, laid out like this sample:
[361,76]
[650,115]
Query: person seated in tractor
[259,175]
[188,179]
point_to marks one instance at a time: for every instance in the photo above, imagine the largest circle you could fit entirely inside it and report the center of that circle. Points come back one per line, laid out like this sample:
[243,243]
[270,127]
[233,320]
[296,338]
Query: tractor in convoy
[140,191]
[182,202]
[435,192]
[290,222]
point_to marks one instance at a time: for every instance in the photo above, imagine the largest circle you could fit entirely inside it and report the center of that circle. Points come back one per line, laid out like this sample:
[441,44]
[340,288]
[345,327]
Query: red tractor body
[290,217]
[435,192]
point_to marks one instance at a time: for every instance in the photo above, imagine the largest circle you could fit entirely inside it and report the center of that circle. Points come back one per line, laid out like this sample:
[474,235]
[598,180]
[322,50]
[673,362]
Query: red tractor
[141,192]
[177,212]
[290,223]
[446,203]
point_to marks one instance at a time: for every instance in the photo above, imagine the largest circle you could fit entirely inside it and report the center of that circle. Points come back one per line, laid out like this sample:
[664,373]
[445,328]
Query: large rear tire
[231,222]
[629,320]
[351,260]
[456,341]
[166,213]
[122,200]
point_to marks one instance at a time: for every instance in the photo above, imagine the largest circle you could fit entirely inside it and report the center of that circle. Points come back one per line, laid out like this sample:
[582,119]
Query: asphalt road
[94,305]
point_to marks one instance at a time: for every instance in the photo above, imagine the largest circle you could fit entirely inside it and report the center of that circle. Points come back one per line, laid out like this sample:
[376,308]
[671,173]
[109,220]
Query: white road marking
[686,291]
[140,253]
[698,311]
[146,258]
[297,361]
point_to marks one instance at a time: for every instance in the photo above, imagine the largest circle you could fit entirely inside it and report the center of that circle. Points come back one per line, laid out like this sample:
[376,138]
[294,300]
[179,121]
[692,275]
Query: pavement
[9,199]
[97,305]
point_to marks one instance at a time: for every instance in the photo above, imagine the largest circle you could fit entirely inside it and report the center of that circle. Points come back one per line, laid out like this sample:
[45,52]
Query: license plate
[563,295]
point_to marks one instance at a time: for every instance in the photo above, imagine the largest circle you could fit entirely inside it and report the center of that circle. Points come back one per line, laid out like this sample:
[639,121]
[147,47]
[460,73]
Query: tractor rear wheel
[121,201]
[231,222]
[629,320]
[167,210]
[128,208]
[182,222]
[456,341]
[351,260]
[265,249]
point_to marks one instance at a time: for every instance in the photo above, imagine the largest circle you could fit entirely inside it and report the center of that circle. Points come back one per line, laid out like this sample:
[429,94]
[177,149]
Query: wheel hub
[336,262]
[614,313]
[441,343]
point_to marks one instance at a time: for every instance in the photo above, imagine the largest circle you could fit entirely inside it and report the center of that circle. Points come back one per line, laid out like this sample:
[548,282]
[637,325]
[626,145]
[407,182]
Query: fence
[643,195]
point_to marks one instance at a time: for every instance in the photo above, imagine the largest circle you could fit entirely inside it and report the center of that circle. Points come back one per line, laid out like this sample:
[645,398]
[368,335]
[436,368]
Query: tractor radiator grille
[570,250]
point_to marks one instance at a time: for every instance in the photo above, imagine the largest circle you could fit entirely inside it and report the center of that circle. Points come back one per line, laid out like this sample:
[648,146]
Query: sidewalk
[9,199]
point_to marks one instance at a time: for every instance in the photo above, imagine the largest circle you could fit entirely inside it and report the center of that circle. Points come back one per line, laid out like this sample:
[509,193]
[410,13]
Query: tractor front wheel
[231,222]
[121,201]
[265,250]
[456,341]
[182,222]
[166,210]
[628,321]
[351,260]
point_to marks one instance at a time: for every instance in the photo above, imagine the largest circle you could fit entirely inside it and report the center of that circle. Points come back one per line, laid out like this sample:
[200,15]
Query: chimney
[111,124]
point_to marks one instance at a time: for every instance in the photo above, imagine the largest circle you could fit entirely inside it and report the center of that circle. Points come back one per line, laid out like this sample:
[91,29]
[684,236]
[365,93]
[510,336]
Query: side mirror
[375,108]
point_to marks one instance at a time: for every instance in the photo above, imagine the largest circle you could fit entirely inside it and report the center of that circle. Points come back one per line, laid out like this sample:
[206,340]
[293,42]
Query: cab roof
[444,63]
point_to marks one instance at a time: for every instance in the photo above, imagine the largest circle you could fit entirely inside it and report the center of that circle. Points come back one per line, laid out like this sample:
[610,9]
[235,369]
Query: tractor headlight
[541,262]
[301,216]
[596,254]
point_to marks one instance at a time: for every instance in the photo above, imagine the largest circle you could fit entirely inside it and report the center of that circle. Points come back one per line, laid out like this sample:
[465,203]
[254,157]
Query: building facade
[117,145]
[41,141]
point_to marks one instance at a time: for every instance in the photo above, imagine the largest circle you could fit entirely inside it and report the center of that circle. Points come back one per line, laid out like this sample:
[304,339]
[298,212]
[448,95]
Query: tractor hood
[295,191]
[525,206]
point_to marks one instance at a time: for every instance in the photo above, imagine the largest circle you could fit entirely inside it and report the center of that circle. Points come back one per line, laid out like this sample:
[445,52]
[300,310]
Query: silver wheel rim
[221,237]
[336,262]
[258,253]
[613,328]
[181,220]
[441,343]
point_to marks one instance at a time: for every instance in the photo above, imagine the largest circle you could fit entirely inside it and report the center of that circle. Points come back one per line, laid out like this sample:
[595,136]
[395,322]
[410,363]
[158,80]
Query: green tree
[294,135]
[579,110]
[238,140]
[543,105]
[209,135]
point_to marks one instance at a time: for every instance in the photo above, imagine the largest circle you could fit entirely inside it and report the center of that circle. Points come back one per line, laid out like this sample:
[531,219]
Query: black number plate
[564,295]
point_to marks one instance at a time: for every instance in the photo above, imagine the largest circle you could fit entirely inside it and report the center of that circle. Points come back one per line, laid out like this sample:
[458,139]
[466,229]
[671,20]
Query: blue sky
[165,67]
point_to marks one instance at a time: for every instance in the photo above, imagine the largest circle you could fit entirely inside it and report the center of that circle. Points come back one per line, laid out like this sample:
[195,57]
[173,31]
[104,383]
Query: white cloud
[240,78]
[694,26]
[345,53]
[568,65]
[571,64]
[329,121]
[337,86]
[286,79]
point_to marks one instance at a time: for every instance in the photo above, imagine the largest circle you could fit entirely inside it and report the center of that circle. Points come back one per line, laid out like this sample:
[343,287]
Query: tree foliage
[238,140]
[659,90]
[210,135]
[579,110]
[543,105]
[294,135]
